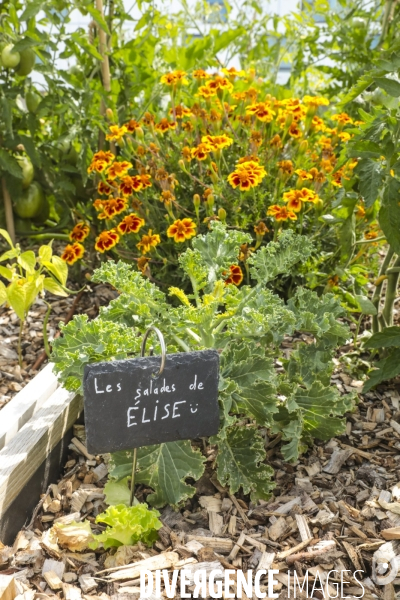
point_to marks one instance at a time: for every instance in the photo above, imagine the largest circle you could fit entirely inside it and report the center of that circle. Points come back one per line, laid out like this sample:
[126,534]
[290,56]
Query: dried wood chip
[53,580]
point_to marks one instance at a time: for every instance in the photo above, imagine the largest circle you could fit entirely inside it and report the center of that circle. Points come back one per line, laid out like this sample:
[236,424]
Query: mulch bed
[12,377]
[336,508]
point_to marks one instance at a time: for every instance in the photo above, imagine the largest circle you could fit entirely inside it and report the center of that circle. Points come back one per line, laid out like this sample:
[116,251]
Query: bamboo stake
[105,72]
[8,210]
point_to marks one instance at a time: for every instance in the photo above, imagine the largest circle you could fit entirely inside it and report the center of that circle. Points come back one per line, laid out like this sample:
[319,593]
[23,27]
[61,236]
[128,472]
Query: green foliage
[85,341]
[127,525]
[389,366]
[28,278]
[247,326]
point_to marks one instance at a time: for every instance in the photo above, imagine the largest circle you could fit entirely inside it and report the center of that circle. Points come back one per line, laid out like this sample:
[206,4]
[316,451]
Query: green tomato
[31,202]
[22,225]
[44,213]
[27,170]
[9,58]
[26,64]
[32,100]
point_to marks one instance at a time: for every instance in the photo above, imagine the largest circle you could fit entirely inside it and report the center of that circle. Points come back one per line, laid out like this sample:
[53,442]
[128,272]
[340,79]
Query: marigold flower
[167,196]
[154,149]
[145,180]
[118,169]
[247,175]
[142,264]
[79,232]
[316,175]
[97,165]
[72,253]
[260,229]
[318,124]
[174,78]
[112,207]
[201,151]
[232,72]
[116,133]
[304,175]
[281,213]
[326,165]
[294,200]
[286,166]
[217,141]
[130,224]
[104,188]
[132,125]
[180,111]
[344,136]
[107,156]
[205,92]
[295,131]
[164,125]
[186,153]
[148,118]
[149,241]
[315,101]
[235,275]
[215,116]
[342,118]
[106,240]
[360,211]
[370,235]
[276,141]
[219,83]
[129,185]
[182,230]
[262,111]
[200,74]
[256,138]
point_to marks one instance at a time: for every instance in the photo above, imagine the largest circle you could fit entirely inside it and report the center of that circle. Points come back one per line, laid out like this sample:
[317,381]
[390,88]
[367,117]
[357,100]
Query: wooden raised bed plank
[26,403]
[31,447]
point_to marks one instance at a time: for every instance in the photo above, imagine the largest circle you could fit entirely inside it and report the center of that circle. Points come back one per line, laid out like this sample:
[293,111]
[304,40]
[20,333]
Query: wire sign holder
[138,402]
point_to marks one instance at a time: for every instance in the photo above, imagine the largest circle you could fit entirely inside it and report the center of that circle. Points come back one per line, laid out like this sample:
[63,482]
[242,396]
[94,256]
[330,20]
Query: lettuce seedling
[127,525]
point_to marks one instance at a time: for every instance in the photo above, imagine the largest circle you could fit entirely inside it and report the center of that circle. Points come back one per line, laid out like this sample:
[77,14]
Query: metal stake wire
[163,359]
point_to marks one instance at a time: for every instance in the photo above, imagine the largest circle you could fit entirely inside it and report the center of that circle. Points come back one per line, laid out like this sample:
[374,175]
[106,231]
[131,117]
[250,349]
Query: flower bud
[139,133]
[303,147]
[222,214]
[196,200]
[210,201]
[110,114]
[182,165]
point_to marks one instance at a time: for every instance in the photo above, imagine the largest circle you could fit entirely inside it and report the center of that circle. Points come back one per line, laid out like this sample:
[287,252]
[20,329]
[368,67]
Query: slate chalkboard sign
[127,407]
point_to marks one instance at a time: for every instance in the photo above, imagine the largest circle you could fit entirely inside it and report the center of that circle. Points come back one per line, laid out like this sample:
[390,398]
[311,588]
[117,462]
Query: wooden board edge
[26,403]
[32,445]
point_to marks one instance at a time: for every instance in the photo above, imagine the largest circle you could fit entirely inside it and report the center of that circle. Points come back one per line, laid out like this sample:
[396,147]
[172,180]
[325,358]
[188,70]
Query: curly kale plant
[247,326]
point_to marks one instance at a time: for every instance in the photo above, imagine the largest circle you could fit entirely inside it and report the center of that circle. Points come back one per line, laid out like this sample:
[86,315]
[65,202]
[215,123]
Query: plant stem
[357,331]
[45,336]
[21,326]
[8,211]
[391,293]
[378,289]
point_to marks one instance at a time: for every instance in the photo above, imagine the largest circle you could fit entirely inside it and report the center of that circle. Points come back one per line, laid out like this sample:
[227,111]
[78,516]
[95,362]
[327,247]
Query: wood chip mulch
[12,377]
[338,507]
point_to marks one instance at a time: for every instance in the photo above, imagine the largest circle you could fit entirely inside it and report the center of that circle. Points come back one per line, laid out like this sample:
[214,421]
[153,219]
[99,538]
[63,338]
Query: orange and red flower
[281,213]
[235,275]
[182,230]
[130,224]
[106,240]
[79,232]
[72,253]
[148,241]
